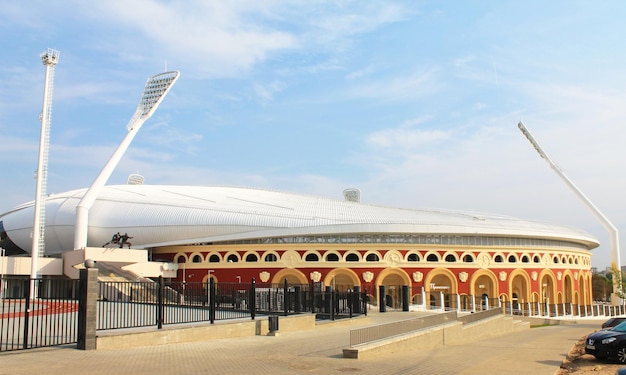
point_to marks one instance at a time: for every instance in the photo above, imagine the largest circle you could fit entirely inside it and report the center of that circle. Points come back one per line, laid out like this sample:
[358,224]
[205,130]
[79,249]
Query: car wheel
[621,354]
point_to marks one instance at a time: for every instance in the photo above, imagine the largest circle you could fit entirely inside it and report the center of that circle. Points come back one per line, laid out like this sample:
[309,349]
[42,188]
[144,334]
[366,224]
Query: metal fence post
[27,285]
[286,297]
[211,300]
[405,298]
[160,306]
[382,304]
[87,306]
[252,299]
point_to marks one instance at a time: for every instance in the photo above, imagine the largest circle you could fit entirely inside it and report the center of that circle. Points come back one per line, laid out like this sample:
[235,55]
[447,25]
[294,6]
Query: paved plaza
[534,351]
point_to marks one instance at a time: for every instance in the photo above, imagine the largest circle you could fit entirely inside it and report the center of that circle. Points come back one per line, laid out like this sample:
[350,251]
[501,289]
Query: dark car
[613,321]
[608,343]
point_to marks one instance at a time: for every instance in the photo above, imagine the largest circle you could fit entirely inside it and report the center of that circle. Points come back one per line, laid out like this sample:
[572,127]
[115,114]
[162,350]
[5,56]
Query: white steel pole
[49,58]
[613,232]
[154,92]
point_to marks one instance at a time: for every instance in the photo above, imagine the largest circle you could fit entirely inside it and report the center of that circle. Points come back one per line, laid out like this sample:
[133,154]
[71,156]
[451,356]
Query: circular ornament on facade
[264,276]
[483,261]
[393,258]
[546,260]
[418,276]
[368,276]
[291,259]
[463,276]
[316,276]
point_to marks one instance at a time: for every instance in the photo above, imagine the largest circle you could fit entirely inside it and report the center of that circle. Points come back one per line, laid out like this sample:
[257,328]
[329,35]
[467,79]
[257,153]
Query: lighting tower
[153,94]
[49,58]
[613,233]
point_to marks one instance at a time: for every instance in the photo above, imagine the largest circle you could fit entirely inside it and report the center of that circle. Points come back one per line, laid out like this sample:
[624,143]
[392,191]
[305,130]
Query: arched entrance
[342,279]
[393,279]
[484,288]
[293,276]
[441,289]
[519,291]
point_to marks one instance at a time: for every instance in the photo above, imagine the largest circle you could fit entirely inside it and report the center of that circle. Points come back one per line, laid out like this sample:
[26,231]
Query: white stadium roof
[157,215]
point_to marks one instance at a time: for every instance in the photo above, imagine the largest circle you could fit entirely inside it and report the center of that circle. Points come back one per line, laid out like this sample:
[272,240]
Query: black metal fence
[49,319]
[141,304]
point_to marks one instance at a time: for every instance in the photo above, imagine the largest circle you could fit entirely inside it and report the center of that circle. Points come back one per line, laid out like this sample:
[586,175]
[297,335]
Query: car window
[620,327]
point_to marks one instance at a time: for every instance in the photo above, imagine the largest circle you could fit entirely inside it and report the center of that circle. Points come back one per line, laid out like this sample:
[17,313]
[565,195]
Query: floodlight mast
[154,92]
[606,223]
[49,58]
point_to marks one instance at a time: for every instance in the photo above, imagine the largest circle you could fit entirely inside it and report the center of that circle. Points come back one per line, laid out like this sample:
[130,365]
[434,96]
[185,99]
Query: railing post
[297,294]
[356,299]
[211,300]
[160,306]
[365,298]
[382,304]
[27,285]
[332,303]
[87,306]
[252,299]
[285,297]
[405,298]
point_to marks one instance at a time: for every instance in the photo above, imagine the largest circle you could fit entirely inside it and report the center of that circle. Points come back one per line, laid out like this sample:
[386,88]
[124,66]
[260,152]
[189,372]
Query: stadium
[232,234]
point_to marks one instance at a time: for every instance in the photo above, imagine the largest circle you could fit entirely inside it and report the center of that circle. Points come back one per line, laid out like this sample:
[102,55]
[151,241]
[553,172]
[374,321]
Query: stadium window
[332,258]
[450,258]
[525,259]
[312,258]
[468,258]
[413,258]
[197,259]
[251,258]
[352,258]
[372,258]
[536,259]
[180,259]
[498,259]
[432,258]
[512,259]
[271,258]
[232,258]
[214,259]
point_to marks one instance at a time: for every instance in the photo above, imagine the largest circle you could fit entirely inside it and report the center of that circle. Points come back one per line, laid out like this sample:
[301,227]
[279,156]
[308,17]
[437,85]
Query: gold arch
[245,255]
[454,288]
[232,252]
[492,278]
[550,292]
[377,253]
[193,255]
[290,274]
[526,287]
[316,252]
[342,274]
[393,271]
[180,255]
[210,254]
[568,292]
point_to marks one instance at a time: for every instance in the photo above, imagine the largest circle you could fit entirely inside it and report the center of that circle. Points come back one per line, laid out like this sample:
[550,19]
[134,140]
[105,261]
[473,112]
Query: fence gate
[48,319]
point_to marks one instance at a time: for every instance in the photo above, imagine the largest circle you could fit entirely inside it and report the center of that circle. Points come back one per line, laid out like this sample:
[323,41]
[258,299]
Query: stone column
[88,306]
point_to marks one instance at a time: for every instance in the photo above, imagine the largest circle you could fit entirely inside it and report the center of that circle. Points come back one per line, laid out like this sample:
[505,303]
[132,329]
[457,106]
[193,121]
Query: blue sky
[414,102]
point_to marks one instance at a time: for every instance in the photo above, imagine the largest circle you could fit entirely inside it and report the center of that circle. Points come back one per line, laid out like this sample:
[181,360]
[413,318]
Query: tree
[601,287]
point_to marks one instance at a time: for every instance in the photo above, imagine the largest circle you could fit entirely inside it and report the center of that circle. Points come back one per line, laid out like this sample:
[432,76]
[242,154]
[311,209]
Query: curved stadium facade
[236,234]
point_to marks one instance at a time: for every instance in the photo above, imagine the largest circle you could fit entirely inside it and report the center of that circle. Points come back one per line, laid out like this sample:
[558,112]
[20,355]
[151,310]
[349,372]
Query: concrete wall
[444,334]
[22,266]
[198,332]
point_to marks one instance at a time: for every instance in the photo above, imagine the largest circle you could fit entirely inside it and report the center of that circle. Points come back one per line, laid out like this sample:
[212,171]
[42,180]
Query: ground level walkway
[533,351]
